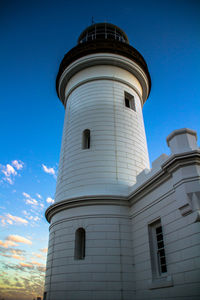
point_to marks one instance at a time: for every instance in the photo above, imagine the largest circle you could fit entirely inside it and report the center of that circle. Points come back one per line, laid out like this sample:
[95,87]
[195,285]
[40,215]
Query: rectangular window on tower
[157,249]
[129,101]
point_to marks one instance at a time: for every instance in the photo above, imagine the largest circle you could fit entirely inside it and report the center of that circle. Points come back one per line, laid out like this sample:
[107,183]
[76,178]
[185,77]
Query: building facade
[118,229]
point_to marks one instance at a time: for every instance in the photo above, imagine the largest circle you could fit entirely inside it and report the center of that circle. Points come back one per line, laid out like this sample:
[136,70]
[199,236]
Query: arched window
[79,251]
[86,139]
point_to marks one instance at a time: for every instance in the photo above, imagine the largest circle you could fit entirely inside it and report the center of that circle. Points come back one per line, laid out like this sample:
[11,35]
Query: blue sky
[35,35]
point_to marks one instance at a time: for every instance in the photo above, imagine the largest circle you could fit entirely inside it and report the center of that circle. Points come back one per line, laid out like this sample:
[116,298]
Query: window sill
[162,282]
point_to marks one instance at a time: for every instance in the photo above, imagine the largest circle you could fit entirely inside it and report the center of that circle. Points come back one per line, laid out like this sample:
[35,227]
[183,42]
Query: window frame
[80,239]
[155,251]
[86,139]
[129,101]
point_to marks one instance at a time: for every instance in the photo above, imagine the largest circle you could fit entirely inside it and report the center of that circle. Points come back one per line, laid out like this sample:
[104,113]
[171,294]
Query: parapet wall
[180,141]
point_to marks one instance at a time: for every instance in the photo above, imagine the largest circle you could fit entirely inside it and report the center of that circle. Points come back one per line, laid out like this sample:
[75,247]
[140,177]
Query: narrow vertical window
[157,249]
[129,101]
[79,251]
[86,139]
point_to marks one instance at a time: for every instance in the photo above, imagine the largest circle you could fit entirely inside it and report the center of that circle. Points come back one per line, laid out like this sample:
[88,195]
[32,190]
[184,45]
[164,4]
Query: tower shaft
[103,83]
[95,101]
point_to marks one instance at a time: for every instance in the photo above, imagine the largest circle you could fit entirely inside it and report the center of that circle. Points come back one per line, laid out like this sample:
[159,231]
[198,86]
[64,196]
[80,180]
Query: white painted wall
[175,200]
[118,144]
[106,271]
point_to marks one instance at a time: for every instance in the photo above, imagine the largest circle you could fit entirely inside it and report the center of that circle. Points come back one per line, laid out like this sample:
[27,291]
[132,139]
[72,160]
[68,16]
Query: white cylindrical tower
[103,83]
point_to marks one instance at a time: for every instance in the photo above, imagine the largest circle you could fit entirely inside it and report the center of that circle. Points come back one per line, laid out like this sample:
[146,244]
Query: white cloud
[17,164]
[26,195]
[9,180]
[50,200]
[31,217]
[7,244]
[39,196]
[48,170]
[29,199]
[9,170]
[18,239]
[17,219]
[10,219]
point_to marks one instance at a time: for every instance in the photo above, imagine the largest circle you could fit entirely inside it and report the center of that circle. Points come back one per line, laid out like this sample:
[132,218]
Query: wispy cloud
[26,195]
[15,256]
[18,164]
[28,281]
[39,196]
[50,171]
[50,200]
[27,265]
[37,263]
[43,250]
[33,218]
[12,253]
[30,217]
[10,219]
[41,255]
[18,257]
[38,255]
[10,172]
[18,239]
[29,199]
[7,244]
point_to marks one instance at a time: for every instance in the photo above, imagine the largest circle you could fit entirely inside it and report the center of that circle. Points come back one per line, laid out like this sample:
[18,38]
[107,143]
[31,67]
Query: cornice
[182,159]
[103,46]
[110,59]
[165,173]
[84,201]
[167,168]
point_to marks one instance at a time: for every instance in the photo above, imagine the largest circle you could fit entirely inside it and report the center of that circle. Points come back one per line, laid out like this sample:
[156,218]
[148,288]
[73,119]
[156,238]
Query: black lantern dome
[101,38]
[103,31]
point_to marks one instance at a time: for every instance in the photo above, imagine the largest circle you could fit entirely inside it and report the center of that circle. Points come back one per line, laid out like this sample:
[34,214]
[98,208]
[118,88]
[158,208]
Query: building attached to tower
[118,229]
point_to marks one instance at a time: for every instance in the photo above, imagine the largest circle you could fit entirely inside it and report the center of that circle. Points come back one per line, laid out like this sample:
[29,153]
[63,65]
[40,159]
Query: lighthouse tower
[103,83]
